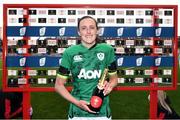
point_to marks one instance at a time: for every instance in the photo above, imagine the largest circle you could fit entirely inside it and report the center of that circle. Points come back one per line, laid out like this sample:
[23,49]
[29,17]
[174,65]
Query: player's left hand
[107,88]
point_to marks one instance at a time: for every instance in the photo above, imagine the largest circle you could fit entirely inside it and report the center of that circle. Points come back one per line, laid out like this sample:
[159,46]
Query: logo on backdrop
[62,31]
[60,61]
[158,31]
[42,61]
[22,31]
[101,31]
[139,31]
[42,31]
[139,61]
[157,61]
[120,31]
[120,61]
[22,61]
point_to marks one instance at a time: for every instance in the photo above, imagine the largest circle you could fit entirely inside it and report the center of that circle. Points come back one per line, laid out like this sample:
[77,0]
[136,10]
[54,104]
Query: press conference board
[144,38]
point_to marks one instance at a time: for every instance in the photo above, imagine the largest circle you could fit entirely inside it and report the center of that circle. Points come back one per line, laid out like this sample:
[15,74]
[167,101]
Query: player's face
[88,32]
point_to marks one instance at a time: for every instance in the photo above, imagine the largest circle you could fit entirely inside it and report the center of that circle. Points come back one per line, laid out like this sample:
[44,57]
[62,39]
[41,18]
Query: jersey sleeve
[64,69]
[112,66]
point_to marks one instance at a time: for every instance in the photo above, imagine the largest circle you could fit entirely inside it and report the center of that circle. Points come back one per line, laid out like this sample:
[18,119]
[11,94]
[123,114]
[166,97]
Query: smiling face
[88,30]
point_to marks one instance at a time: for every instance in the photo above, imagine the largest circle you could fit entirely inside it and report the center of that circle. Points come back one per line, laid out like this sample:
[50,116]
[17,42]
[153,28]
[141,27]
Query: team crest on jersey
[100,56]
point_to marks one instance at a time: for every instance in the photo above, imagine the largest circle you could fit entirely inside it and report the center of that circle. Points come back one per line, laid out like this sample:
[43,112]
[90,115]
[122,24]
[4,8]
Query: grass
[124,104]
[48,105]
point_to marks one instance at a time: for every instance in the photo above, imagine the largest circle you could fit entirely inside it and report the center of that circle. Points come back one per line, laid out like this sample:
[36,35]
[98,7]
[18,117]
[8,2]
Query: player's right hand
[84,105]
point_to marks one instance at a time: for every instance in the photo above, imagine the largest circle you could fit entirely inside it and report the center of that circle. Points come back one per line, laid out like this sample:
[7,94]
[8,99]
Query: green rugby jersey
[86,66]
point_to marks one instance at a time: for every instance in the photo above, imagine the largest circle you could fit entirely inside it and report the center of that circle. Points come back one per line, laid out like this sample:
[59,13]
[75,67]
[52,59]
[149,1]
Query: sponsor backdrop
[139,2]
[142,36]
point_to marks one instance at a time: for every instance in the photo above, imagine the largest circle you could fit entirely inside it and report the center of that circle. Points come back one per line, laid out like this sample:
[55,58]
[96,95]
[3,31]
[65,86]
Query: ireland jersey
[86,66]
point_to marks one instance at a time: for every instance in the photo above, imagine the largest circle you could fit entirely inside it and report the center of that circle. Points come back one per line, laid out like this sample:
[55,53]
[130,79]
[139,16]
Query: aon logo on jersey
[89,74]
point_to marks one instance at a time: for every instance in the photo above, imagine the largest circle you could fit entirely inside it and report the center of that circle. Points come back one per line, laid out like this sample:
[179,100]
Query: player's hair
[85,18]
[161,99]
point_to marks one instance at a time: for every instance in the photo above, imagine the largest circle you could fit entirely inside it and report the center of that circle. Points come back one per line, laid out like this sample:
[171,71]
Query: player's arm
[61,89]
[113,79]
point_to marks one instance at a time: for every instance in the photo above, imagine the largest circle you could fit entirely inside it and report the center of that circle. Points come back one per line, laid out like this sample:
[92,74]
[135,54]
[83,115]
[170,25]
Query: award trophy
[98,96]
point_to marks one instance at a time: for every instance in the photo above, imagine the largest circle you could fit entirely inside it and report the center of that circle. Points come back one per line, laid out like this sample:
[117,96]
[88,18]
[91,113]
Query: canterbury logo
[77,58]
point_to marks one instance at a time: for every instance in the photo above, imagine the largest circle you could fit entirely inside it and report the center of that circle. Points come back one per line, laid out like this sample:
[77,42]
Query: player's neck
[88,45]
